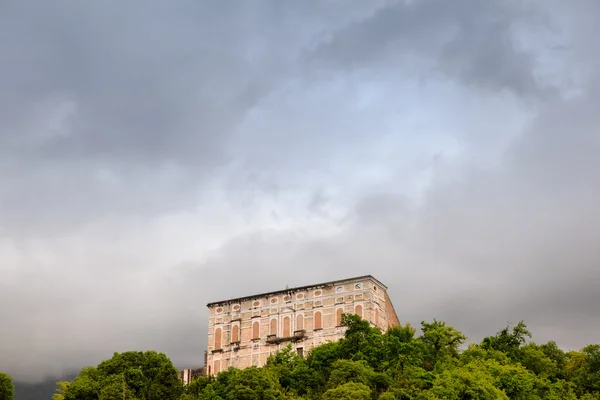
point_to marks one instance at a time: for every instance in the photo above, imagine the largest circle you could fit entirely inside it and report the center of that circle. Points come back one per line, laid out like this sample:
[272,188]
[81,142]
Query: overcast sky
[156,156]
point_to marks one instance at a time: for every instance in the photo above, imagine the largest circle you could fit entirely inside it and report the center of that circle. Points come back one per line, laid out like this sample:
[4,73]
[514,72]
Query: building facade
[243,332]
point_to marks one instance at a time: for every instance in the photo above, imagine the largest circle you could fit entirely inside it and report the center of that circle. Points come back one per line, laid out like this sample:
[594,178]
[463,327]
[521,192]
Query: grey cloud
[468,40]
[489,248]
[318,202]
[148,99]
[486,247]
[127,103]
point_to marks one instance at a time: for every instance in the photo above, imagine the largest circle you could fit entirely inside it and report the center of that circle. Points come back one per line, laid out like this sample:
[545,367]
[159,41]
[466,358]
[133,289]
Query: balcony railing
[298,335]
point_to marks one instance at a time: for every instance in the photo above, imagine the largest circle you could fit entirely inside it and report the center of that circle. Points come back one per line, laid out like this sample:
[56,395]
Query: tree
[140,375]
[345,371]
[508,342]
[348,391]
[441,342]
[401,349]
[361,341]
[468,382]
[7,388]
[61,389]
[365,364]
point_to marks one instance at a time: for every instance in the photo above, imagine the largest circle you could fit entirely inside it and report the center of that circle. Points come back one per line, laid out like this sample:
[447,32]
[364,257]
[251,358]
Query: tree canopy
[367,364]
[139,375]
[7,389]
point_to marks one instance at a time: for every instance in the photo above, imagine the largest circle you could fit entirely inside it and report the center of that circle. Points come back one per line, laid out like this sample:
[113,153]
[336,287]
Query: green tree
[196,386]
[583,369]
[440,341]
[140,375]
[345,371]
[467,382]
[348,391]
[401,349]
[366,364]
[535,359]
[508,342]
[61,388]
[387,396]
[86,386]
[321,358]
[361,341]
[7,388]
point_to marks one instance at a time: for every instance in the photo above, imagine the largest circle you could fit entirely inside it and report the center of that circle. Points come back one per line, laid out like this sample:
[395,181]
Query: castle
[243,332]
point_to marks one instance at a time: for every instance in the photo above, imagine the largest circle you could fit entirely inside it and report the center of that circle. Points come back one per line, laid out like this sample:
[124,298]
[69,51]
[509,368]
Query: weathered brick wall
[390,312]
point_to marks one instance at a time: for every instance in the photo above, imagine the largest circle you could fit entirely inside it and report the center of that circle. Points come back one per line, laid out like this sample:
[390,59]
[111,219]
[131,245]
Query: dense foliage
[368,364]
[137,375]
[7,389]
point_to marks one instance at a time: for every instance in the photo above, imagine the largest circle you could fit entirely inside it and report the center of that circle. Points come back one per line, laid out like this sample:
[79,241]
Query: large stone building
[243,332]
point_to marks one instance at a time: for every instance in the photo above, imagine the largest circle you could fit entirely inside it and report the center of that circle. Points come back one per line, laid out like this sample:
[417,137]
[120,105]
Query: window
[299,322]
[358,310]
[300,351]
[377,316]
[235,334]
[217,366]
[273,328]
[217,338]
[318,321]
[209,371]
[338,317]
[286,327]
[256,330]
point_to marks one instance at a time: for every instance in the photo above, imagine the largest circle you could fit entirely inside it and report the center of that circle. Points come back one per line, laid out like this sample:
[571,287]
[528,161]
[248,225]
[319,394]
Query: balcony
[297,336]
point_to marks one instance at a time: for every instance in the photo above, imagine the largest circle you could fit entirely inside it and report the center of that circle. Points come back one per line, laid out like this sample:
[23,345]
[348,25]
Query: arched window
[235,334]
[217,366]
[255,330]
[273,330]
[217,338]
[338,317]
[318,323]
[286,327]
[299,322]
[358,310]
[209,370]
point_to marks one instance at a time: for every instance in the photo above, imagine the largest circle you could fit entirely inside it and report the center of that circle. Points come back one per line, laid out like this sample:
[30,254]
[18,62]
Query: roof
[294,289]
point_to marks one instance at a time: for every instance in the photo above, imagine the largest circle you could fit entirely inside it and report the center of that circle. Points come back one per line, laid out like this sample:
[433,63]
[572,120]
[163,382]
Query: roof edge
[283,291]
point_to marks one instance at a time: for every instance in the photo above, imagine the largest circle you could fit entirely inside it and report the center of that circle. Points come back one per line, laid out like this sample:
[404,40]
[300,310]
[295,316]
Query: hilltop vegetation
[365,365]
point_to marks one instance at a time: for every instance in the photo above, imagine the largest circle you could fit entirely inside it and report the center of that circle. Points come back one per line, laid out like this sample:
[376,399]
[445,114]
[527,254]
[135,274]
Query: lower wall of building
[257,354]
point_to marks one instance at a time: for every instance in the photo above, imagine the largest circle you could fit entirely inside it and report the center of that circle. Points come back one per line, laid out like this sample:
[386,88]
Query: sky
[156,156]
